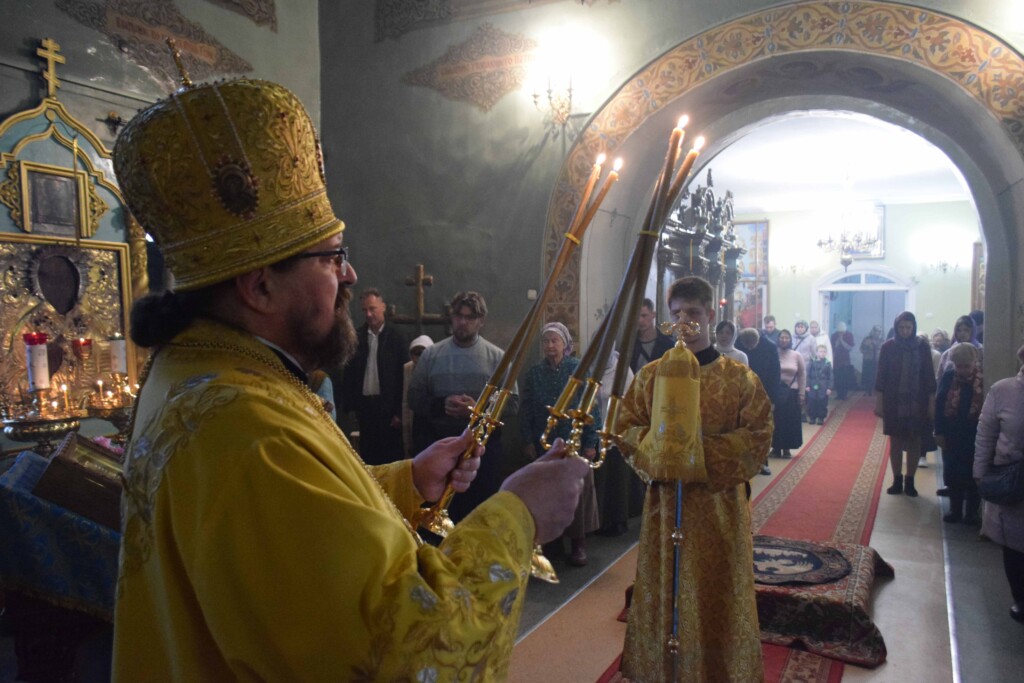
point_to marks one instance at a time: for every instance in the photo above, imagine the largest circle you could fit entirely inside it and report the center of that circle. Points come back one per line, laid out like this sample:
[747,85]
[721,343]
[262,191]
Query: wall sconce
[559,104]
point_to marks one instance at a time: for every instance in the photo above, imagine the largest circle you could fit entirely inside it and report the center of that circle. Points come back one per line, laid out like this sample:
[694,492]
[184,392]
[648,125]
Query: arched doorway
[931,73]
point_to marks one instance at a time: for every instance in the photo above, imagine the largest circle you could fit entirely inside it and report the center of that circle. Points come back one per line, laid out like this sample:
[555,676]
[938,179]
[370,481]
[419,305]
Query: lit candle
[684,170]
[595,173]
[99,392]
[118,355]
[35,361]
[64,390]
[80,346]
[608,182]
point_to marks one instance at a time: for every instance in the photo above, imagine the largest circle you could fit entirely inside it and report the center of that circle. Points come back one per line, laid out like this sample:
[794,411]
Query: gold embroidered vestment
[718,629]
[257,546]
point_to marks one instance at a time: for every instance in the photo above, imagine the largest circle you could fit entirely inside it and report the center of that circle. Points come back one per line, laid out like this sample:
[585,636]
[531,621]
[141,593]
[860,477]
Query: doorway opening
[862,300]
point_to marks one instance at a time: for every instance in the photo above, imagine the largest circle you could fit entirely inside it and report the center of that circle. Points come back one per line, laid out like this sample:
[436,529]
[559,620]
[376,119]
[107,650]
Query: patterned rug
[785,562]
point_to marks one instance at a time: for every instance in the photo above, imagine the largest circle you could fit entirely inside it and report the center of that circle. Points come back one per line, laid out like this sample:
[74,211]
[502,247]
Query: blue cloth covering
[49,553]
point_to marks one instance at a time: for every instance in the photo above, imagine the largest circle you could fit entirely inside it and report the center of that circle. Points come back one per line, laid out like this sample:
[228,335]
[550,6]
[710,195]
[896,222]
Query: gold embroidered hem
[257,545]
[718,629]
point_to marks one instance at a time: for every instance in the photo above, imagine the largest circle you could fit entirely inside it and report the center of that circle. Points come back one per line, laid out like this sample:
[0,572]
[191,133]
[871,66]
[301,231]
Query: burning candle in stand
[35,361]
[99,393]
[64,390]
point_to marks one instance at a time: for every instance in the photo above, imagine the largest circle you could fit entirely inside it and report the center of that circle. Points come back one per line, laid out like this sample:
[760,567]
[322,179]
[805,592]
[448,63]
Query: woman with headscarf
[940,340]
[965,331]
[904,399]
[1001,442]
[788,432]
[542,386]
[869,347]
[957,408]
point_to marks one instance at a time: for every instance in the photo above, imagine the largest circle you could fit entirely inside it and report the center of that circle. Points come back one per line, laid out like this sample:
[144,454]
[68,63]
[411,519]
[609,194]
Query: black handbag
[1003,484]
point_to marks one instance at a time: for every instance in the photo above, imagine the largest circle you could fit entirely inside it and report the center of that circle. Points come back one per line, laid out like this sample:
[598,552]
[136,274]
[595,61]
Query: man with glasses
[256,545]
[444,387]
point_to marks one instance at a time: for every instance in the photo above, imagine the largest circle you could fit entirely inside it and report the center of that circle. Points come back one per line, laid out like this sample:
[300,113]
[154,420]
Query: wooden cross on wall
[50,52]
[420,280]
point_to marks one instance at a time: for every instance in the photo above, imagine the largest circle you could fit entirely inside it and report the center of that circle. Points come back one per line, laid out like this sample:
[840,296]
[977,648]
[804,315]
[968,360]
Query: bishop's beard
[335,348]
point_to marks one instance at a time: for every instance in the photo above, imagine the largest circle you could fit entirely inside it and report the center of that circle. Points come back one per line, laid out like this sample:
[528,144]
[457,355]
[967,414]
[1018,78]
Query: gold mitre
[226,177]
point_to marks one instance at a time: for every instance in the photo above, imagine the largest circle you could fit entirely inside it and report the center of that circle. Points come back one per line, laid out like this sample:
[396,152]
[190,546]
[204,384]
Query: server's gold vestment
[257,546]
[718,630]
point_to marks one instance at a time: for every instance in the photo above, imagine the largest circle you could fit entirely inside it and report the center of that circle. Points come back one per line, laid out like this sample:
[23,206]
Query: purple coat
[1000,441]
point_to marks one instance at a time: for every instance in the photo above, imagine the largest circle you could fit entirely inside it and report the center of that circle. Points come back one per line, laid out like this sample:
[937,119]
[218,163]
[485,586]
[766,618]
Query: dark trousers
[817,407]
[1013,563]
[845,381]
[379,442]
[961,493]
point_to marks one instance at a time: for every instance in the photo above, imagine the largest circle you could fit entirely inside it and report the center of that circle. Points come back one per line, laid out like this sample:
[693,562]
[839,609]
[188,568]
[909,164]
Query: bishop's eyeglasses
[339,256]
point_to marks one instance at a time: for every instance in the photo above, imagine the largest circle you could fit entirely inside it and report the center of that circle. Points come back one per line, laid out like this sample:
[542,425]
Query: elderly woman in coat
[1000,441]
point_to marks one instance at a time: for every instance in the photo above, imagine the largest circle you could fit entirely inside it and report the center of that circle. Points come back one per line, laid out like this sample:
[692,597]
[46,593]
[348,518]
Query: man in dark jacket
[650,343]
[372,385]
[763,357]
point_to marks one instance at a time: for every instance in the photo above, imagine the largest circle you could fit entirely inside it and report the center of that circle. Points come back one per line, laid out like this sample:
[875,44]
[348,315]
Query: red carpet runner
[829,492]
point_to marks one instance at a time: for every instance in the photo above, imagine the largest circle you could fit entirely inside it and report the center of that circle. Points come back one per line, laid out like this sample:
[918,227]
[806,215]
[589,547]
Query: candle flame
[63,387]
[683,120]
[698,143]
[601,158]
[617,166]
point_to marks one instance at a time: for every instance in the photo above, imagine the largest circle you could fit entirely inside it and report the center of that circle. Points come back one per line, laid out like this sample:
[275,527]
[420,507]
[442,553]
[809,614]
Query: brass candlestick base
[438,523]
[42,431]
[541,567]
[119,416]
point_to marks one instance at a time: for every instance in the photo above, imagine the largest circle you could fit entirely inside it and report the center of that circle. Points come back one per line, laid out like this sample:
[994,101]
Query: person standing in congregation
[905,399]
[869,347]
[373,382]
[940,340]
[1000,441]
[806,345]
[714,586]
[964,332]
[725,336]
[958,404]
[615,482]
[445,384]
[763,357]
[821,337]
[542,385]
[788,434]
[650,343]
[416,348]
[842,366]
[770,329]
[256,544]
[819,387]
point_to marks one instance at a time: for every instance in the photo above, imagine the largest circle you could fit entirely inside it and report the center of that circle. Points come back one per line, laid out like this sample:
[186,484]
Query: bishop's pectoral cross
[420,280]
[50,52]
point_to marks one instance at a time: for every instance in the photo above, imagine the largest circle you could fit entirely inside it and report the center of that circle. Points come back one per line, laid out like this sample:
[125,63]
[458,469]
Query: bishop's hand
[442,462]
